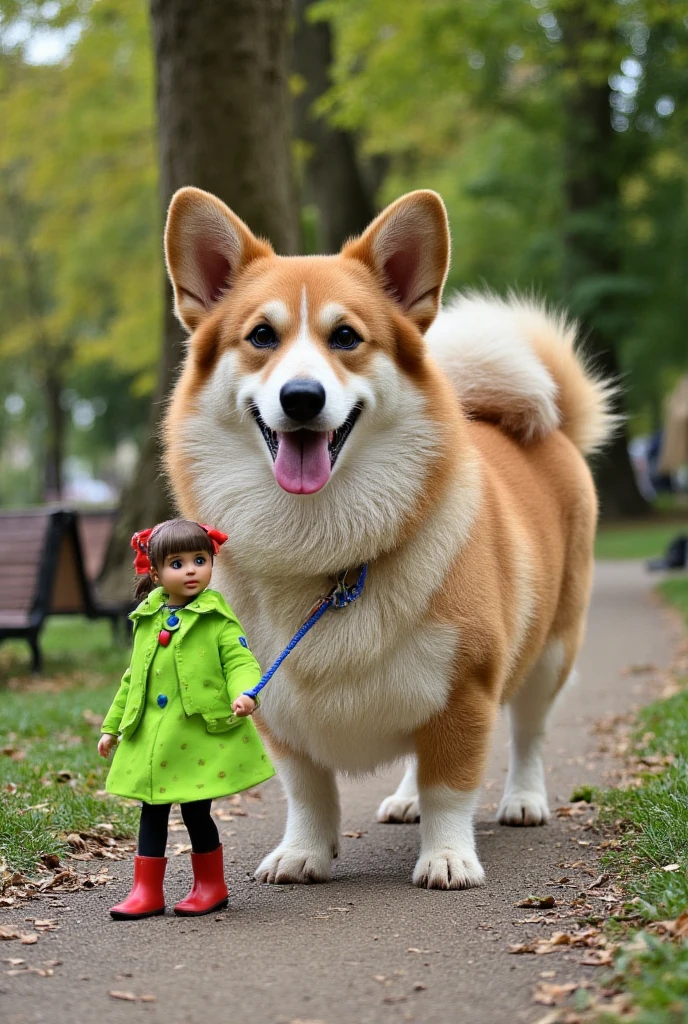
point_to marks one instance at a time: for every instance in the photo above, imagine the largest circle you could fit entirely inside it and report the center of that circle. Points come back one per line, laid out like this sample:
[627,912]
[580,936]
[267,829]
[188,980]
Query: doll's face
[184,575]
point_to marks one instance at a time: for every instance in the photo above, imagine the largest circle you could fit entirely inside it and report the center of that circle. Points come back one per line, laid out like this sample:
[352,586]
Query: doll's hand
[244,705]
[106,743]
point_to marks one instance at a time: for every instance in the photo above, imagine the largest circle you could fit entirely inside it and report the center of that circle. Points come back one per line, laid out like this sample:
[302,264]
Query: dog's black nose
[302,399]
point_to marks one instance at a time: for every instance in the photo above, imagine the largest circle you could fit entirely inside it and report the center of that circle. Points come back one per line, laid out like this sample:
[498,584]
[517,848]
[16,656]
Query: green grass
[51,777]
[637,540]
[654,834]
[657,981]
[675,591]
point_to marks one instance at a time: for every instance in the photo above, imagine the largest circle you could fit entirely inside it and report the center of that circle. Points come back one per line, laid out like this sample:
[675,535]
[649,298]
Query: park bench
[50,560]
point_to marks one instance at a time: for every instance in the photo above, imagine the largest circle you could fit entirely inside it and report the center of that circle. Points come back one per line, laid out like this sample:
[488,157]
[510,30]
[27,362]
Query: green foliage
[80,253]
[475,100]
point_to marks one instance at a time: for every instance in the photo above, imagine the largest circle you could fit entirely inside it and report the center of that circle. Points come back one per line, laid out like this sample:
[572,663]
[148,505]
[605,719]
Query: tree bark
[224,126]
[55,435]
[595,160]
[333,181]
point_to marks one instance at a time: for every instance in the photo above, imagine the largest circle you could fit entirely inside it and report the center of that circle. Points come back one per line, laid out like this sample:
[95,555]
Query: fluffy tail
[514,363]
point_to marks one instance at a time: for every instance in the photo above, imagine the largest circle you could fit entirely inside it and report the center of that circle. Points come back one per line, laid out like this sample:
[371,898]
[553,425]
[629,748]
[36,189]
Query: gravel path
[367,947]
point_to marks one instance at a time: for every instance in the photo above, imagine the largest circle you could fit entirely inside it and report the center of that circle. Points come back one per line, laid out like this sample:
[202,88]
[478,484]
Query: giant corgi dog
[323,423]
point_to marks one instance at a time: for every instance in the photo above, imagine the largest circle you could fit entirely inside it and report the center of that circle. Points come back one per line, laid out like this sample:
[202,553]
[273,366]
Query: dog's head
[307,399]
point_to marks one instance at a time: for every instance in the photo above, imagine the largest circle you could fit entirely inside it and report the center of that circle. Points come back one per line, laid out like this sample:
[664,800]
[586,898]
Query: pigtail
[144,586]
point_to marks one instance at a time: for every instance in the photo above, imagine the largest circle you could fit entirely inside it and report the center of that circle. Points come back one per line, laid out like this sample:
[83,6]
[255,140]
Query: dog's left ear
[408,249]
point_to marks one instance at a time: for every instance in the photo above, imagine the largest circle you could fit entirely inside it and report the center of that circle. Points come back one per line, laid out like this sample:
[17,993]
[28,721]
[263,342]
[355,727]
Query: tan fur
[478,531]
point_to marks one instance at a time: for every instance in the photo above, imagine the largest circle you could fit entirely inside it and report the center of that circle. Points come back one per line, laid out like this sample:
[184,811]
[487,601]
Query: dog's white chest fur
[360,712]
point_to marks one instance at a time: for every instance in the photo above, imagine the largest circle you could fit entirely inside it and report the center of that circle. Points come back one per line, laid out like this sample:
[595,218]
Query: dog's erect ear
[407,247]
[206,246]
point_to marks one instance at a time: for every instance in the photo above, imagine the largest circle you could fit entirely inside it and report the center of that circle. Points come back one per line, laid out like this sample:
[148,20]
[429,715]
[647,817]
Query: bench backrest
[41,564]
[95,531]
[23,537]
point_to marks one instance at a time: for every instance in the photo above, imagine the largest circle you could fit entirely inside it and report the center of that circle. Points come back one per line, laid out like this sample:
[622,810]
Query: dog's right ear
[206,246]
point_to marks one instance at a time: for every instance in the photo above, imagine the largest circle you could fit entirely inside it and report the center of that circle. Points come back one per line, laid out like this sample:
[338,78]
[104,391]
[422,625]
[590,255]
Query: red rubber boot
[209,891]
[146,898]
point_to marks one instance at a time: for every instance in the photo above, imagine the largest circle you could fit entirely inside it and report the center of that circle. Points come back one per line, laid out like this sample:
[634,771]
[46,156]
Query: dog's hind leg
[311,838]
[402,805]
[525,796]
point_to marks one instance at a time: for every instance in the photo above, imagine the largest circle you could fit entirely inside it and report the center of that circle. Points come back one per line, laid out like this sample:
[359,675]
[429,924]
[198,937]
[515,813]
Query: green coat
[180,740]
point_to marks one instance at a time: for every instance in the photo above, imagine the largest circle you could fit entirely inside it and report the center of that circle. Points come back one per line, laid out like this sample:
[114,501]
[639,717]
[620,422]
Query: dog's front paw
[399,809]
[296,865]
[448,869]
[523,807]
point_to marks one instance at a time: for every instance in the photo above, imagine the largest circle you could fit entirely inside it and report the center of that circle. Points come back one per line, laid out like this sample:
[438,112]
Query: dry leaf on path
[678,927]
[128,997]
[540,902]
[354,835]
[551,994]
[672,867]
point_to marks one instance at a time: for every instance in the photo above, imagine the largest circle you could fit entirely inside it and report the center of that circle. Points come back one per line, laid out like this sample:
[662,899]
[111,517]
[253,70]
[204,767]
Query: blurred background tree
[554,129]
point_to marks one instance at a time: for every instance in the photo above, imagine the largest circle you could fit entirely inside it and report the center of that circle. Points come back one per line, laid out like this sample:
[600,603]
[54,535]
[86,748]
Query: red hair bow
[139,542]
[217,537]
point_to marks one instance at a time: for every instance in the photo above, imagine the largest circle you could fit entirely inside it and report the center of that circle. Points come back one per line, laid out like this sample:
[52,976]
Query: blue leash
[339,597]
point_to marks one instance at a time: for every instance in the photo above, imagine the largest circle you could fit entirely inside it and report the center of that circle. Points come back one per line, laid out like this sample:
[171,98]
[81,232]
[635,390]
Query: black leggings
[153,828]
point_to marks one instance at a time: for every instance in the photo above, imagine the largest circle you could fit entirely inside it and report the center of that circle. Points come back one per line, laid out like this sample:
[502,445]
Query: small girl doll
[182,720]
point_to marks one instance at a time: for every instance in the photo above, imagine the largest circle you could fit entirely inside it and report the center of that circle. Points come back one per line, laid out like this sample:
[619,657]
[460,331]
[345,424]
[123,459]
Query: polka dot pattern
[166,739]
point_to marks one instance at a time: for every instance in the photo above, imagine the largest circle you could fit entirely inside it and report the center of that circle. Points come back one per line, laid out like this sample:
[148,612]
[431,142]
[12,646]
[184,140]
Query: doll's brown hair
[174,536]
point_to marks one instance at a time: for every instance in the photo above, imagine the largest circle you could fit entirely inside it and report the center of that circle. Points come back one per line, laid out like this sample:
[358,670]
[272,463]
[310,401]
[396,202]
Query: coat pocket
[222,723]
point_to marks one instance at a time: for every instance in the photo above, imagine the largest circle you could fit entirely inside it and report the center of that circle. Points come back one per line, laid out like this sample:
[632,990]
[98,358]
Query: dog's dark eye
[345,337]
[263,336]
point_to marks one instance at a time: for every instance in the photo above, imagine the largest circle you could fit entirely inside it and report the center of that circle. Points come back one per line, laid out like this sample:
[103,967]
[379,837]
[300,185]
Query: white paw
[523,807]
[398,809]
[296,864]
[448,869]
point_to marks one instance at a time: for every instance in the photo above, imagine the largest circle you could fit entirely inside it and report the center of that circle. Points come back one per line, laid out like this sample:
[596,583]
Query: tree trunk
[224,126]
[595,159]
[55,436]
[332,177]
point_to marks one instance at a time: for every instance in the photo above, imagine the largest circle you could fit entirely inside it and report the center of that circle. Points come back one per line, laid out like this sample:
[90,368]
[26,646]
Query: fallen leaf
[419,987]
[148,999]
[354,835]
[672,867]
[128,997]
[30,939]
[181,848]
[550,994]
[600,880]
[541,902]
[678,927]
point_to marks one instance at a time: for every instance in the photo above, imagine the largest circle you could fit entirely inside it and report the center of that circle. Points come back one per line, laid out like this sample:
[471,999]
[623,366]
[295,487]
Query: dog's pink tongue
[302,465]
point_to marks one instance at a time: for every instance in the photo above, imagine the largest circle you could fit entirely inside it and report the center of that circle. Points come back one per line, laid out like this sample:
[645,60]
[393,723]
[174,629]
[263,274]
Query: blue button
[242,641]
[162,700]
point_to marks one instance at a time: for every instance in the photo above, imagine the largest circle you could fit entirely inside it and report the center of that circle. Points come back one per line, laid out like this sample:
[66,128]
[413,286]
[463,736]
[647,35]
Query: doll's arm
[114,716]
[241,670]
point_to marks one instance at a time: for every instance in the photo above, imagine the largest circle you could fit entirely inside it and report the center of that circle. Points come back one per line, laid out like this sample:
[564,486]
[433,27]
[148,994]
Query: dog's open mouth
[304,459]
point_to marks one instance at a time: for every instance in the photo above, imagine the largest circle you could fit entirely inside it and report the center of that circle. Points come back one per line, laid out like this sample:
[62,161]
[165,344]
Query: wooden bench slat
[49,560]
